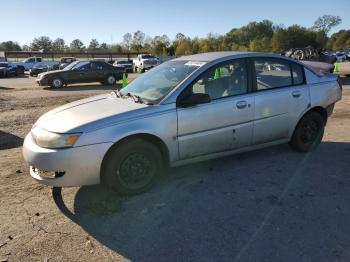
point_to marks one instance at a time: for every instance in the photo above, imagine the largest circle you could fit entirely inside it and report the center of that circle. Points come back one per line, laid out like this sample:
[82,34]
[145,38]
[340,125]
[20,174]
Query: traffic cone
[124,81]
[216,74]
[336,68]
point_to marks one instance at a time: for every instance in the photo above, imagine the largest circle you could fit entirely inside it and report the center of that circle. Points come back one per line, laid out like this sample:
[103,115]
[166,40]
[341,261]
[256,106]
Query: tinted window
[82,66]
[271,73]
[30,60]
[38,59]
[99,66]
[298,76]
[226,79]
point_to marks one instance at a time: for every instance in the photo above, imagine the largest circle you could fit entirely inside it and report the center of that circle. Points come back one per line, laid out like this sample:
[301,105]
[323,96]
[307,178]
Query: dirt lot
[269,205]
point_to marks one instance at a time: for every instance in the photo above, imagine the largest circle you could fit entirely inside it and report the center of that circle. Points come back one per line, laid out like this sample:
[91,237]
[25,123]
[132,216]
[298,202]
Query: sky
[108,20]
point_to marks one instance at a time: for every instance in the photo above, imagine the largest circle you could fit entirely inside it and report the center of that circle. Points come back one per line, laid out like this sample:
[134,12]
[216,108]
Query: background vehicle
[39,68]
[66,61]
[81,72]
[341,57]
[8,69]
[144,62]
[189,109]
[31,61]
[125,65]
[310,54]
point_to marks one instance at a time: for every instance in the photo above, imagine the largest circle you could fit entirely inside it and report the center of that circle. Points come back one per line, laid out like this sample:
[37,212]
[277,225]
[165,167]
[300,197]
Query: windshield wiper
[136,98]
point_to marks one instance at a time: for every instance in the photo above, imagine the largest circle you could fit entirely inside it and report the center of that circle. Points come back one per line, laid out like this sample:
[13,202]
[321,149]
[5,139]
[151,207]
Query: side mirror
[194,99]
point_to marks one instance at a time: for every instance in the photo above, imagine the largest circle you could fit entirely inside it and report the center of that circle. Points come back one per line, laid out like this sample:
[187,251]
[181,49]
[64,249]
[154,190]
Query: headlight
[48,139]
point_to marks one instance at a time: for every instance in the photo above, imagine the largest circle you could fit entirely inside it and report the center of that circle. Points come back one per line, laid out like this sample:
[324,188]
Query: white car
[341,57]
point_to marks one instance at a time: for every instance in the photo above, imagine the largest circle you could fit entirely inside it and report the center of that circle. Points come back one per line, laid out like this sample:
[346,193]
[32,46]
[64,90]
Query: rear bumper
[76,166]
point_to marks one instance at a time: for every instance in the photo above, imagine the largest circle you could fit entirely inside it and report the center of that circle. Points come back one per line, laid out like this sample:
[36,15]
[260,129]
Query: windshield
[70,66]
[159,81]
[39,66]
[147,56]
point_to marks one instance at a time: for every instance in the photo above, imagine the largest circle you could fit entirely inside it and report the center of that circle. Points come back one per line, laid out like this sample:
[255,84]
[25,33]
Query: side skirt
[226,153]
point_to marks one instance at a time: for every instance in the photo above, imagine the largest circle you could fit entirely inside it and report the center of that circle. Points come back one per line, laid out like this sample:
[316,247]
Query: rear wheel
[132,167]
[56,83]
[308,133]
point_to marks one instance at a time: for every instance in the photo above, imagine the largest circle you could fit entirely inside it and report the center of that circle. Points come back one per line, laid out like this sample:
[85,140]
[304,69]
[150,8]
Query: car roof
[212,56]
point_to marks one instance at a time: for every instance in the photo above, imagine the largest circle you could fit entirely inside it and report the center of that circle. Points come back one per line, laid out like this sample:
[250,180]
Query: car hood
[50,73]
[90,114]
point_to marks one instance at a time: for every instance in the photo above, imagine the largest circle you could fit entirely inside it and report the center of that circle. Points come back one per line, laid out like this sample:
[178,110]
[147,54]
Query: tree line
[264,36]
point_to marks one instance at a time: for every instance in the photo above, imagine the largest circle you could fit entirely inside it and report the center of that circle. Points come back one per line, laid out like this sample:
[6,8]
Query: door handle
[296,94]
[241,104]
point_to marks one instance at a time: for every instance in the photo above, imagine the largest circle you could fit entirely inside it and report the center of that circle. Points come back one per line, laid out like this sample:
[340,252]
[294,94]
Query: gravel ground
[268,205]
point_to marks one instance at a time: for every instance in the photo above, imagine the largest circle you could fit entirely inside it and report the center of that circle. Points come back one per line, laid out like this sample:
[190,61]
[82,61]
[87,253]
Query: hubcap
[56,83]
[310,132]
[136,170]
[111,80]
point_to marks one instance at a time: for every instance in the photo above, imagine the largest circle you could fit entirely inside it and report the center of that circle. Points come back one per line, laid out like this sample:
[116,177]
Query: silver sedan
[188,109]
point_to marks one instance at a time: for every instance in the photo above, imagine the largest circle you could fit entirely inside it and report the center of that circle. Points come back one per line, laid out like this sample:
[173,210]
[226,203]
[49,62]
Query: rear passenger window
[298,76]
[272,73]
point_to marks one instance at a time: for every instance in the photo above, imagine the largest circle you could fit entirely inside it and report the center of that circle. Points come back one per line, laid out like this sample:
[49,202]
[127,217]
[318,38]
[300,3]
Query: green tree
[326,22]
[10,46]
[77,45]
[104,46]
[339,40]
[160,44]
[127,41]
[42,43]
[138,40]
[94,45]
[59,45]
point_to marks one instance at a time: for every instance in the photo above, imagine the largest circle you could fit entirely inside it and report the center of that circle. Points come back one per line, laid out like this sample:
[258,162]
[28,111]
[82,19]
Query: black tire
[309,132]
[111,80]
[132,167]
[57,83]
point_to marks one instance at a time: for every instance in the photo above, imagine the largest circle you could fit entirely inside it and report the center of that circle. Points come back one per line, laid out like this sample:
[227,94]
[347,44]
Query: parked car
[125,65]
[8,69]
[310,54]
[188,109]
[81,72]
[341,57]
[38,69]
[145,62]
[66,61]
[31,61]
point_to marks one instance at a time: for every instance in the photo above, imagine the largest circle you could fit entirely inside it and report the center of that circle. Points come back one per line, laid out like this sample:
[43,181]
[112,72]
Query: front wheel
[308,133]
[132,167]
[56,83]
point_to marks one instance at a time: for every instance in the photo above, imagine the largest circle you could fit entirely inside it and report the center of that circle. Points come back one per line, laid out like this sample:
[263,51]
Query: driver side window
[222,80]
[85,67]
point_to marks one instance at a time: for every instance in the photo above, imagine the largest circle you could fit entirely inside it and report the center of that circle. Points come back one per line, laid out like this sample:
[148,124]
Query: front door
[81,73]
[226,122]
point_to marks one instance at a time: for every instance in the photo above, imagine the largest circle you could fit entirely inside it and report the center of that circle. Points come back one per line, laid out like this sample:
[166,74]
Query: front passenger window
[223,80]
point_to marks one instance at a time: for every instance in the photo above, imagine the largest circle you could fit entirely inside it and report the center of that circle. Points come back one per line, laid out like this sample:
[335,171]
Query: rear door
[226,123]
[281,95]
[99,71]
